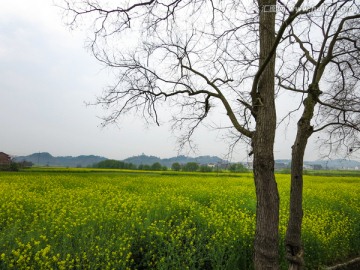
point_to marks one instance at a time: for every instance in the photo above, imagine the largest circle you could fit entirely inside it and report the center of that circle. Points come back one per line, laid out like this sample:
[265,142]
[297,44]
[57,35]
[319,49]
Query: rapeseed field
[107,220]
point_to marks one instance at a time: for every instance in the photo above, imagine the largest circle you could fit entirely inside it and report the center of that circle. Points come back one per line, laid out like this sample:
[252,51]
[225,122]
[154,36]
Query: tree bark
[267,210]
[294,250]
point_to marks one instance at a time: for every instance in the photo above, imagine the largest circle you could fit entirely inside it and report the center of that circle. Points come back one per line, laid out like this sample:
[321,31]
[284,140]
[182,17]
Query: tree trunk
[294,250]
[267,210]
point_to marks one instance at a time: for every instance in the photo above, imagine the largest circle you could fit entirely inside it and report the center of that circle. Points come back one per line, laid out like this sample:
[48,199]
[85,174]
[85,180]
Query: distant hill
[142,159]
[336,164]
[46,159]
[149,160]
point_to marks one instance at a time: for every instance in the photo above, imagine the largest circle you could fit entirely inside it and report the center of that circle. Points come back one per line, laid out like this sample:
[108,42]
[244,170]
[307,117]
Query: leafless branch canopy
[198,55]
[325,44]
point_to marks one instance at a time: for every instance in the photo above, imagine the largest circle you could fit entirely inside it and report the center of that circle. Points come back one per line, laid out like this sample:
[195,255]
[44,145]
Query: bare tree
[327,75]
[202,54]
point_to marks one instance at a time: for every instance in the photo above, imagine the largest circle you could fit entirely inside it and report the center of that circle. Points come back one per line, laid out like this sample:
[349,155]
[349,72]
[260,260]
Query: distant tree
[237,167]
[121,164]
[141,167]
[114,164]
[145,167]
[14,166]
[131,166]
[109,164]
[176,166]
[25,164]
[156,166]
[190,167]
[205,168]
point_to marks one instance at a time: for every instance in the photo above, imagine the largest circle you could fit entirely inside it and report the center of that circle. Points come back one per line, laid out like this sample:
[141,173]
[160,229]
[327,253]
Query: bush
[237,167]
[176,166]
[156,166]
[114,164]
[190,167]
[14,166]
[205,168]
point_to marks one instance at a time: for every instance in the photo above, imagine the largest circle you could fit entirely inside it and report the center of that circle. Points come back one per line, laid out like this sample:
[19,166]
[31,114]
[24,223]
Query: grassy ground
[111,219]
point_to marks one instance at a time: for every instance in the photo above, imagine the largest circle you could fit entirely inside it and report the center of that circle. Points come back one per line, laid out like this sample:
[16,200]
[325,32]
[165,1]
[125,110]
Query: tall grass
[67,220]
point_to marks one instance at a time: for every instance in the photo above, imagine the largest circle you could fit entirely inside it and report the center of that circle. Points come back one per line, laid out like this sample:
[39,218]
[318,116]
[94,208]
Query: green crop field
[79,219]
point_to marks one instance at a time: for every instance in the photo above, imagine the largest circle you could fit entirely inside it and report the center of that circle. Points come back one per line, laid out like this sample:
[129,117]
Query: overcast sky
[46,76]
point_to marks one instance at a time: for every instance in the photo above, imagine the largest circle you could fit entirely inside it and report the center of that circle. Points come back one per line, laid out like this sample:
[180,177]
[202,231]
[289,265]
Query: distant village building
[5,160]
[307,167]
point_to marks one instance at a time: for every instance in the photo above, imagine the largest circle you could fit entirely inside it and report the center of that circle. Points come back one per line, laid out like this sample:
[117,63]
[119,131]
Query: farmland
[82,219]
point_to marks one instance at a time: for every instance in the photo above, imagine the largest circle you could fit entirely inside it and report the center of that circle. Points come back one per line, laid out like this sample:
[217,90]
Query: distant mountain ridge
[328,164]
[336,164]
[46,159]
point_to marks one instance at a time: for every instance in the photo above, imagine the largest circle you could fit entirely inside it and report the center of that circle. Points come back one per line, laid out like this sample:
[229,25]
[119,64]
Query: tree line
[16,165]
[156,166]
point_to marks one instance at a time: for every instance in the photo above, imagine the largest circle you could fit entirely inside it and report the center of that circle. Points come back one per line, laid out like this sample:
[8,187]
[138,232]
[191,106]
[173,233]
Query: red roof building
[5,159]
